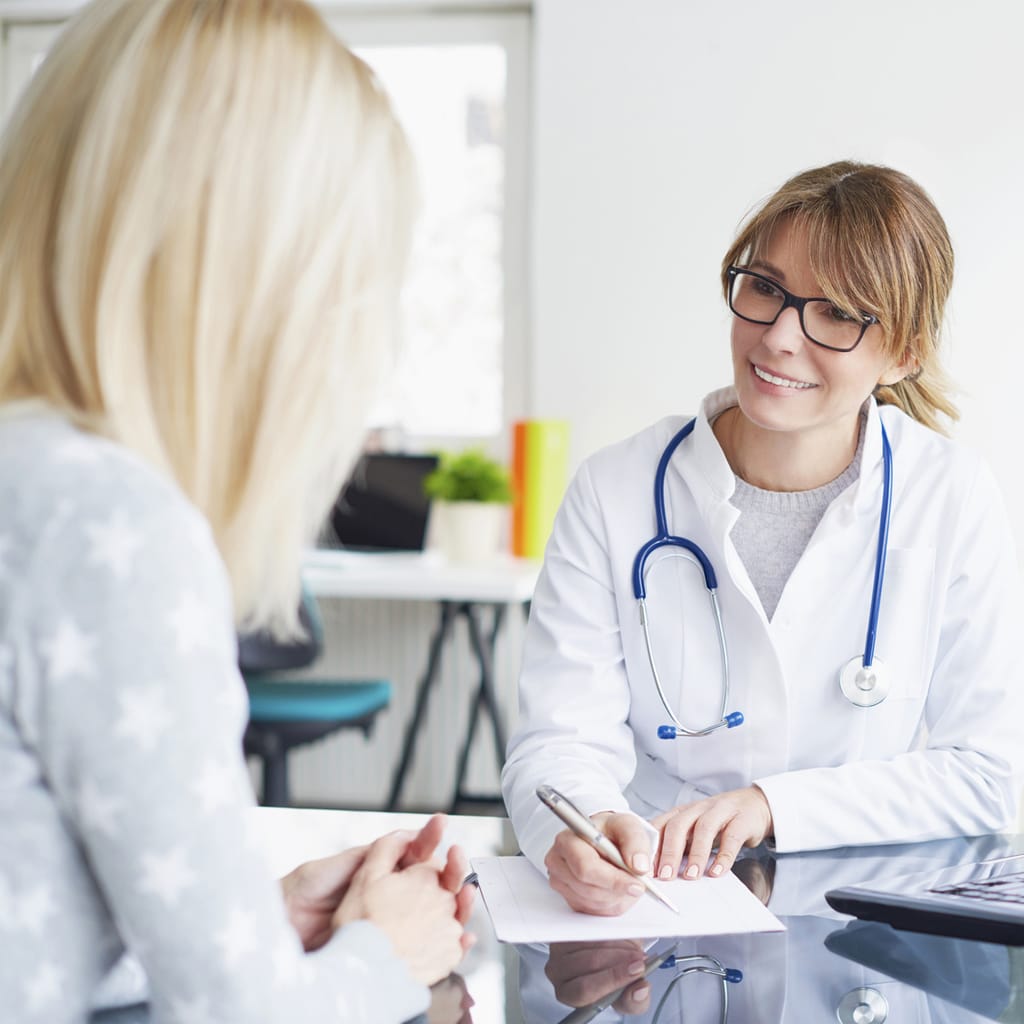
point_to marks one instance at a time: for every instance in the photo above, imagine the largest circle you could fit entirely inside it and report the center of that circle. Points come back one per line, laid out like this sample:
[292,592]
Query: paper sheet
[524,908]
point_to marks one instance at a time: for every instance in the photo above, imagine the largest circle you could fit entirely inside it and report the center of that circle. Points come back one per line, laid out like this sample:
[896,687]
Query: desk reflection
[824,967]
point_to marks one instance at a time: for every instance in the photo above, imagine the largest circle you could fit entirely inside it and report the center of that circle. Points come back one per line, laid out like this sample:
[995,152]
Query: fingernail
[715,871]
[636,889]
[640,992]
[637,967]
[692,871]
[666,872]
[641,863]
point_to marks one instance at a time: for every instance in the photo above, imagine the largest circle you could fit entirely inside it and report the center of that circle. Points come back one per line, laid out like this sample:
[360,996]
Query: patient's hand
[314,890]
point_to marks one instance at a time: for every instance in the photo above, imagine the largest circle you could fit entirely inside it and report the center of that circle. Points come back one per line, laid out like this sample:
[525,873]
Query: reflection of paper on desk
[524,908]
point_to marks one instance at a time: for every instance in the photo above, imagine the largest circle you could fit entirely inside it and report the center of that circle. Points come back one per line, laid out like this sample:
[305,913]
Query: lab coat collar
[709,459]
[864,494]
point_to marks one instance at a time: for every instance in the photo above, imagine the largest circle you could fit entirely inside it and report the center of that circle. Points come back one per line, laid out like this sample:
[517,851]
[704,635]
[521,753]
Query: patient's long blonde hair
[204,215]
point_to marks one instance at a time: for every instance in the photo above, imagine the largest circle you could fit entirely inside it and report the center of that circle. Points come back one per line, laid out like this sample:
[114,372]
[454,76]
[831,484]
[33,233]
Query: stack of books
[540,473]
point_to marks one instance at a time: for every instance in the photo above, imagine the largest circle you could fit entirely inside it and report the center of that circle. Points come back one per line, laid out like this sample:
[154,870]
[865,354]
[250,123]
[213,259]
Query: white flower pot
[469,531]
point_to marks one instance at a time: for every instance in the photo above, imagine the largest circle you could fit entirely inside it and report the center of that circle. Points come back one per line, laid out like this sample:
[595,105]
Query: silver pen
[575,819]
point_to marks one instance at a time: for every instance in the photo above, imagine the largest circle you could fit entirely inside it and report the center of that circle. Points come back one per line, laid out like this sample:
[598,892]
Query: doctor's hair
[876,244]
[205,209]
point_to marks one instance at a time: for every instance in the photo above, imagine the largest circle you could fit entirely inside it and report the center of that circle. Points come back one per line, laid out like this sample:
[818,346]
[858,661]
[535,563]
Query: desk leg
[415,724]
[485,699]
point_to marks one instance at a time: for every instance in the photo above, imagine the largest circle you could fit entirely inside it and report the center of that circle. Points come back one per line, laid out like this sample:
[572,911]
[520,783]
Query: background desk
[469,592]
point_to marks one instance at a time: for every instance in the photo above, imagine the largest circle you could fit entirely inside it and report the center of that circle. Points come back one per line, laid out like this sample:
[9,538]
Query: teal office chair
[286,711]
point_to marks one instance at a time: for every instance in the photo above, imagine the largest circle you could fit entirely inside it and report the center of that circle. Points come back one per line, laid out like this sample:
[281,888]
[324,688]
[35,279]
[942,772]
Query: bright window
[451,100]
[459,85]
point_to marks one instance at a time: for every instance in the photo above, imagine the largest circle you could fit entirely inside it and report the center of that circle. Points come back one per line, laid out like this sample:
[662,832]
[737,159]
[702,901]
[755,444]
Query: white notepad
[523,908]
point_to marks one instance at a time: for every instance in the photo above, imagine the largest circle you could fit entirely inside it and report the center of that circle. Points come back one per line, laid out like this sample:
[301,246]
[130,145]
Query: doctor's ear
[908,368]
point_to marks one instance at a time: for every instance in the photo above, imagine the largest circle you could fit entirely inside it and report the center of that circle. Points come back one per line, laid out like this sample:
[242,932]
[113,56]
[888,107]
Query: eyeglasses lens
[757,299]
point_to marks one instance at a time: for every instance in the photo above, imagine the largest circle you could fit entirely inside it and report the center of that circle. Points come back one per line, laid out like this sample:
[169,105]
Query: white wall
[659,123]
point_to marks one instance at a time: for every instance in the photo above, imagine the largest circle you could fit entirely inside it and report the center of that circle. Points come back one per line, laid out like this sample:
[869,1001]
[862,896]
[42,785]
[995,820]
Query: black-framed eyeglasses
[760,300]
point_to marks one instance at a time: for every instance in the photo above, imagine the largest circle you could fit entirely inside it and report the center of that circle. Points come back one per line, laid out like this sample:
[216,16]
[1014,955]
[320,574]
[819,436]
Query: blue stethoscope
[863,680]
[699,964]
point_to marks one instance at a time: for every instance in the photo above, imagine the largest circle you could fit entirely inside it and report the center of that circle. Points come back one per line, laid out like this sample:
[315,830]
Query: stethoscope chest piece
[862,686]
[862,1006]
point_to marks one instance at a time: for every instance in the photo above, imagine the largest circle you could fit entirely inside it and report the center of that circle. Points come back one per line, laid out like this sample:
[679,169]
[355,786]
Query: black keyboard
[1008,888]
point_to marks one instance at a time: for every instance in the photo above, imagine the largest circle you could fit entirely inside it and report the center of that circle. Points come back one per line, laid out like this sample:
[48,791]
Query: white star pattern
[215,786]
[190,621]
[34,907]
[238,938]
[192,1011]
[167,875]
[27,911]
[113,544]
[144,717]
[69,652]
[43,988]
[98,811]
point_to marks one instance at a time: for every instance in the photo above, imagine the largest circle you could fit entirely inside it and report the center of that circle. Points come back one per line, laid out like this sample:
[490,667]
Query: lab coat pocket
[904,641]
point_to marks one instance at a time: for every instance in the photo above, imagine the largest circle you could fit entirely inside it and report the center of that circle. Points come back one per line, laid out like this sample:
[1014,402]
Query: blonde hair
[878,244]
[204,216]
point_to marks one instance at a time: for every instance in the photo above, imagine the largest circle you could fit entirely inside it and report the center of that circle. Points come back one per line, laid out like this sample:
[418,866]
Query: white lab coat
[940,757]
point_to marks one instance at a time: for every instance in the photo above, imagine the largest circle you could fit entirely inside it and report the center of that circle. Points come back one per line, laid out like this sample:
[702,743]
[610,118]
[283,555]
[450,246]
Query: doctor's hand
[589,883]
[731,820]
[584,972]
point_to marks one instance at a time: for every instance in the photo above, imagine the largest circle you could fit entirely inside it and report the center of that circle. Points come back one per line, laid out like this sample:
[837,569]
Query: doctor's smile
[782,382]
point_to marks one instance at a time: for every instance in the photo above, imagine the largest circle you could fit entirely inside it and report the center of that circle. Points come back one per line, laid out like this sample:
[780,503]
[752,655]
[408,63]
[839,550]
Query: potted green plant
[470,492]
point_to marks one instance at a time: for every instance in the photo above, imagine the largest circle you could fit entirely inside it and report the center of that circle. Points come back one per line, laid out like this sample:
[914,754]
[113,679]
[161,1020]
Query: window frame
[26,26]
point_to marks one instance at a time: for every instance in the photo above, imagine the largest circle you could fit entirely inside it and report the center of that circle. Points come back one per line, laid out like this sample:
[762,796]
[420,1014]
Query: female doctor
[808,554]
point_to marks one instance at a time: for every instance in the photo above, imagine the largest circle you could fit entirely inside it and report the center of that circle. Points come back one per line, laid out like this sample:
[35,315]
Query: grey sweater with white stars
[123,792]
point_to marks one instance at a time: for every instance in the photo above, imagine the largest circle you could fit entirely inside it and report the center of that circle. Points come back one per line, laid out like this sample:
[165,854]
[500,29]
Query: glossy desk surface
[801,975]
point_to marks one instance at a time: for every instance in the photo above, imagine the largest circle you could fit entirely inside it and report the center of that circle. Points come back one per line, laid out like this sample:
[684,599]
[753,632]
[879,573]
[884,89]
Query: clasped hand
[420,905]
[728,822]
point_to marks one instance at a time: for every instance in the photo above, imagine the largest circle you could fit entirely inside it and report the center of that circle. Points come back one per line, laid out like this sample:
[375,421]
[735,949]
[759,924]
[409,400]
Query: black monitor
[382,506]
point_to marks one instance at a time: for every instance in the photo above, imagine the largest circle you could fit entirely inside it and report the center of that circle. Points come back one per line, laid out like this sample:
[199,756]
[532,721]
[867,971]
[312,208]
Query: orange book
[518,484]
[540,473]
